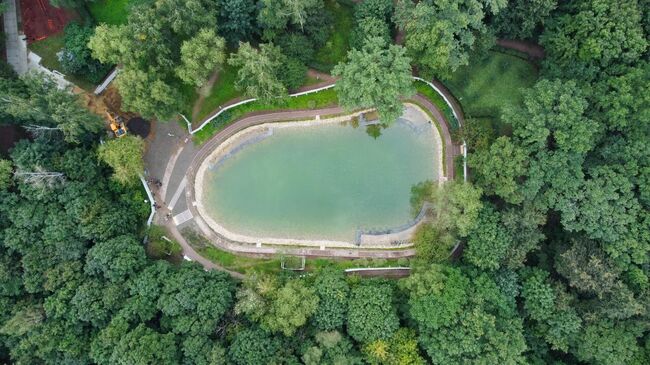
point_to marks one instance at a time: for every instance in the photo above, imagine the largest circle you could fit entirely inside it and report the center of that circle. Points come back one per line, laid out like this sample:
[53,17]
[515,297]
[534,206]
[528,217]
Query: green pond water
[321,182]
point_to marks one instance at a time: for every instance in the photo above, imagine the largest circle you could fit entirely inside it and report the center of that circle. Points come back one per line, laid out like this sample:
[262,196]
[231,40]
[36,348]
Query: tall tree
[5,174]
[500,169]
[371,314]
[76,58]
[257,76]
[332,291]
[147,93]
[441,33]
[375,77]
[237,20]
[116,259]
[124,155]
[36,102]
[594,36]
[253,346]
[200,56]
[464,317]
[522,18]
[456,207]
[276,14]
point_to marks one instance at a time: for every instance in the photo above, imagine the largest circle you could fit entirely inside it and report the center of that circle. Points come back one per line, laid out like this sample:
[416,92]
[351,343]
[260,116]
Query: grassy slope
[484,87]
[47,49]
[222,91]
[316,100]
[109,11]
[338,43]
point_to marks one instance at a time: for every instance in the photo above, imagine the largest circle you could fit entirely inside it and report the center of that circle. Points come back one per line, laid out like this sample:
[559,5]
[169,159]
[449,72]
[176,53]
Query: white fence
[455,116]
[192,131]
[222,110]
[151,201]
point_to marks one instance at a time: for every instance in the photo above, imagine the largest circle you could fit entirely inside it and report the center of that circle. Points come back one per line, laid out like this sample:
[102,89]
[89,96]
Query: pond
[320,182]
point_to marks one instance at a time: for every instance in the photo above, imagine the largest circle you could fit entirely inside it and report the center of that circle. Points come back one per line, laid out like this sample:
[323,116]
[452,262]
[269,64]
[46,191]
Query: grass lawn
[240,264]
[437,100]
[109,11]
[486,86]
[315,100]
[338,43]
[47,50]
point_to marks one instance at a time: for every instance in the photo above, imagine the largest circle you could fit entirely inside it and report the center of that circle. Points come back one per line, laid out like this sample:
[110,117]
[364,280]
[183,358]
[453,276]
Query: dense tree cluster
[76,59]
[156,50]
[550,235]
[377,76]
[441,33]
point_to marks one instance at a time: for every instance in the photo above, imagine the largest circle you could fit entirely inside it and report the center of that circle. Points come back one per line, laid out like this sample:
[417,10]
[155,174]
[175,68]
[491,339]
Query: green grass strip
[436,99]
[316,100]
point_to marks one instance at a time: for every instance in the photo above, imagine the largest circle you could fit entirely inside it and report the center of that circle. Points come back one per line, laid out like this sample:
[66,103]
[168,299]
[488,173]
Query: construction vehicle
[117,125]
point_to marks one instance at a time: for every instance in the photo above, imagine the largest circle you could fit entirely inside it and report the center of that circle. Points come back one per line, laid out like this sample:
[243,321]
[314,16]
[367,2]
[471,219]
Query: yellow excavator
[117,125]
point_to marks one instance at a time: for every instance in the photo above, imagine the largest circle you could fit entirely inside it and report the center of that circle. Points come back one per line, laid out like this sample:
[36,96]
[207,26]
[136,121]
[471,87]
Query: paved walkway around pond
[173,159]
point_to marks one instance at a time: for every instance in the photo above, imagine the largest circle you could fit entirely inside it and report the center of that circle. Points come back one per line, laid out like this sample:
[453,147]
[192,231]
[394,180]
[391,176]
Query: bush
[379,9]
[292,73]
[296,46]
[368,28]
[76,59]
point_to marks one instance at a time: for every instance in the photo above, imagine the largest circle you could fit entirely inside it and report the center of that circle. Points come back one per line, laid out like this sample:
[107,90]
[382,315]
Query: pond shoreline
[393,240]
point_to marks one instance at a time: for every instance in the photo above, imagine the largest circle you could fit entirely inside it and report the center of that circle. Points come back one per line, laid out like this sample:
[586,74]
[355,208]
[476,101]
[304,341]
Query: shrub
[292,73]
[76,58]
[297,46]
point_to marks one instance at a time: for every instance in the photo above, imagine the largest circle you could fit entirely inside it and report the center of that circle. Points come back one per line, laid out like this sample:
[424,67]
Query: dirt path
[533,50]
[203,92]
[320,75]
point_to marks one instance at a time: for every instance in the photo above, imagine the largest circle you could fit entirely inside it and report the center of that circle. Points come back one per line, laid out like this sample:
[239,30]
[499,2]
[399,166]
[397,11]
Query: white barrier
[360,269]
[151,201]
[107,81]
[189,125]
[192,131]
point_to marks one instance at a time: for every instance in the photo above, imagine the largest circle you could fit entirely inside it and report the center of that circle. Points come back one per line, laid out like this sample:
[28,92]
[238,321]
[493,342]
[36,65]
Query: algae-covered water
[320,182]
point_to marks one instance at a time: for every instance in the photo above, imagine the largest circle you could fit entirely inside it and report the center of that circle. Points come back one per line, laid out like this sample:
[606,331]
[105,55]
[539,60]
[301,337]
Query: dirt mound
[139,127]
[9,135]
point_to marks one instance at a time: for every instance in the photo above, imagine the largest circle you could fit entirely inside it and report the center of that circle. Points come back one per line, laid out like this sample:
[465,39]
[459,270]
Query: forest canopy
[551,232]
